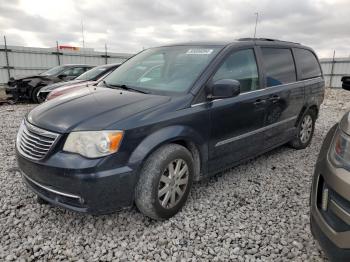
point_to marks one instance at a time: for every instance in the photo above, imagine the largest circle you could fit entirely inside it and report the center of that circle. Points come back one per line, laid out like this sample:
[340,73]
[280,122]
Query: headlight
[93,144]
[340,150]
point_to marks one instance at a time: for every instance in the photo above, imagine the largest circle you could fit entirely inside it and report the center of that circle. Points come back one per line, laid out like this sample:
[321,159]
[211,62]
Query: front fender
[167,135]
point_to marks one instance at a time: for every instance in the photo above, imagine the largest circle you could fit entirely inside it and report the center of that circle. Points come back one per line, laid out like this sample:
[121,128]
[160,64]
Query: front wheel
[34,95]
[305,131]
[165,182]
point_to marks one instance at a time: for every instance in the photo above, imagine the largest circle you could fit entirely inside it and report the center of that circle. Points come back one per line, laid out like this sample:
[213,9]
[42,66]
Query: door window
[308,63]
[279,66]
[240,66]
[75,71]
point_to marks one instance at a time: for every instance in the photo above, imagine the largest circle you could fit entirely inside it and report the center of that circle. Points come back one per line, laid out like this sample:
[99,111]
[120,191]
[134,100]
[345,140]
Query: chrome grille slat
[34,142]
[36,137]
[32,149]
[31,152]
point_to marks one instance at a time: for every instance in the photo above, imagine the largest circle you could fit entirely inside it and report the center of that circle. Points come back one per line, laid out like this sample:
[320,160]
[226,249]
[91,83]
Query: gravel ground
[257,211]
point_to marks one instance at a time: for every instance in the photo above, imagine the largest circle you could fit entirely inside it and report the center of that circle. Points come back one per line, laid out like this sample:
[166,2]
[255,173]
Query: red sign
[73,48]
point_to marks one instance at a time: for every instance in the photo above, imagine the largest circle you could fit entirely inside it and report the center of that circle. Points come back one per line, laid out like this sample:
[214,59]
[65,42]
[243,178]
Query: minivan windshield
[94,73]
[163,69]
[53,71]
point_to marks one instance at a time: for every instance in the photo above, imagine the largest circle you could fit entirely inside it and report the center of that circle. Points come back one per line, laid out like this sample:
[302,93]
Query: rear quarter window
[279,66]
[307,64]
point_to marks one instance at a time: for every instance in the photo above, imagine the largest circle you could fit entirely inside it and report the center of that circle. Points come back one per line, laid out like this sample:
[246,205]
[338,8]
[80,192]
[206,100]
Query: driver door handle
[260,102]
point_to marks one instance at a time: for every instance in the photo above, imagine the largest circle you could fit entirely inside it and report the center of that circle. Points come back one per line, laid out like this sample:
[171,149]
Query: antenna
[256,23]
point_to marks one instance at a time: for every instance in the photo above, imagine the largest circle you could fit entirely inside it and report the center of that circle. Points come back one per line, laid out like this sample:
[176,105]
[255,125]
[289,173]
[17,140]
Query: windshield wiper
[124,87]
[107,85]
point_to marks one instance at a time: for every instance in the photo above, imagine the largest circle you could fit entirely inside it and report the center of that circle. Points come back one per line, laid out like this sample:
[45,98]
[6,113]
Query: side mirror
[224,88]
[346,83]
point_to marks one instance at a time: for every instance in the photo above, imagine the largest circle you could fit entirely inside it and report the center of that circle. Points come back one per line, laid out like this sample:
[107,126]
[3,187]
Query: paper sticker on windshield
[199,51]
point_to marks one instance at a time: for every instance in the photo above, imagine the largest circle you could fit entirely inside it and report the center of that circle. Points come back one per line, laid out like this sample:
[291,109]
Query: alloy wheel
[173,183]
[306,129]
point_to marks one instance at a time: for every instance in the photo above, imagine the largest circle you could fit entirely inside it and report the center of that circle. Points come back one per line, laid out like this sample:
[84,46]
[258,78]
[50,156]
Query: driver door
[237,122]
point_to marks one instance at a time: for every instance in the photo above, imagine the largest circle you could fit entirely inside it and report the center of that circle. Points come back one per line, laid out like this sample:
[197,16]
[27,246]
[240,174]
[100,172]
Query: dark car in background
[167,117]
[27,88]
[90,77]
[330,193]
[346,82]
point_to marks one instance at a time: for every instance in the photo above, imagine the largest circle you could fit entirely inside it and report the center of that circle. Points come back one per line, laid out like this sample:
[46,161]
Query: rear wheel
[305,131]
[165,182]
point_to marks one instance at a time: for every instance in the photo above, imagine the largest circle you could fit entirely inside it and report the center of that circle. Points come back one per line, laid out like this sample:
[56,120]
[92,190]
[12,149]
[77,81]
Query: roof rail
[265,39]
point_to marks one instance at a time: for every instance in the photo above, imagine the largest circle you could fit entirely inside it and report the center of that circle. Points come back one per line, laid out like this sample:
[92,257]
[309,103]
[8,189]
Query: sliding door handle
[274,98]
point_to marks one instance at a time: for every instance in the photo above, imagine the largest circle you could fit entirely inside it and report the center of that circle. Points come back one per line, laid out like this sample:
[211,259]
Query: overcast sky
[128,26]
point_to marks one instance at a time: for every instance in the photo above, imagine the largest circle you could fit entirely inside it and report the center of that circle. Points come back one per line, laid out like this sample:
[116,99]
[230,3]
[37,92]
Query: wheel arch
[181,135]
[306,108]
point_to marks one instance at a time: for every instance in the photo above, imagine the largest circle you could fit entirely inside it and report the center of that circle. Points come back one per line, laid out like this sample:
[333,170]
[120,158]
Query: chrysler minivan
[169,116]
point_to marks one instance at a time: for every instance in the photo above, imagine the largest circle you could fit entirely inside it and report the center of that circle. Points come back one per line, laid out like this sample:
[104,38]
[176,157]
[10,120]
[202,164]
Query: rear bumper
[80,189]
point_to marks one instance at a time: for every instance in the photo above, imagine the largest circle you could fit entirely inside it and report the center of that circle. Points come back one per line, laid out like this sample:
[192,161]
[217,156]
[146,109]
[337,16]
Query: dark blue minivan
[169,116]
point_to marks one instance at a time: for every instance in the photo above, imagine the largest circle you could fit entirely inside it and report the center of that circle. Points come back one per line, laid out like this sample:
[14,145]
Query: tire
[157,193]
[41,98]
[305,131]
[41,201]
[34,95]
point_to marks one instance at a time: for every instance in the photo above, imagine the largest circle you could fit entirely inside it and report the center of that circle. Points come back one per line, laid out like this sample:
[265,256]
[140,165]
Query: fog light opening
[324,204]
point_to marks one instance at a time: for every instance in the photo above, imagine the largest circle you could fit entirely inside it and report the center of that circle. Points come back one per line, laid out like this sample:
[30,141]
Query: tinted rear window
[279,66]
[308,64]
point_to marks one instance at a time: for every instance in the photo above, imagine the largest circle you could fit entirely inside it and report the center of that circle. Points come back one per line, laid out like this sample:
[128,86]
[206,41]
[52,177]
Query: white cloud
[130,25]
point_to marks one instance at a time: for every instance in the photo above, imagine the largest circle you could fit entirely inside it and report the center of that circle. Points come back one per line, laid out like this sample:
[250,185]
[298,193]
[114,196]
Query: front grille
[34,142]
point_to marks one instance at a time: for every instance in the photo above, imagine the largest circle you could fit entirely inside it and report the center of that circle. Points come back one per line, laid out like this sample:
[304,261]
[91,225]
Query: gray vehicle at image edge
[169,116]
[330,193]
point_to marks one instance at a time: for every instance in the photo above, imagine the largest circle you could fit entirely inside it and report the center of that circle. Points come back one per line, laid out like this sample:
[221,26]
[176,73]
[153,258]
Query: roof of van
[260,41]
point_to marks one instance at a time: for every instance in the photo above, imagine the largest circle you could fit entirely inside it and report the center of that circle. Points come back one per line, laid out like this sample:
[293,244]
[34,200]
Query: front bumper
[331,224]
[11,91]
[80,187]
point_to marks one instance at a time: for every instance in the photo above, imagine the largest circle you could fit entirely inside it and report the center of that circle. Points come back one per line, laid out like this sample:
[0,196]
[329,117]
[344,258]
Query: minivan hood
[345,123]
[91,108]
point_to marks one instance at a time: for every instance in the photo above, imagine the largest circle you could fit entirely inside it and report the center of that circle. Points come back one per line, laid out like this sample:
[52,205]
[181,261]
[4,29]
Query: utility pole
[83,37]
[106,57]
[256,23]
[82,32]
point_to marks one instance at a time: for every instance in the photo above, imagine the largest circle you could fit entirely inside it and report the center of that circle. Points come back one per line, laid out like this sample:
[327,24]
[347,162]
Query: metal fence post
[58,54]
[332,71]
[106,57]
[7,59]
